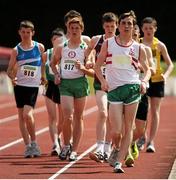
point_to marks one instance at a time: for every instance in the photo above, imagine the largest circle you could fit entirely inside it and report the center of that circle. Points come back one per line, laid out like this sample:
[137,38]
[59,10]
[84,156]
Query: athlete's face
[148,29]
[26,33]
[75,29]
[110,28]
[126,25]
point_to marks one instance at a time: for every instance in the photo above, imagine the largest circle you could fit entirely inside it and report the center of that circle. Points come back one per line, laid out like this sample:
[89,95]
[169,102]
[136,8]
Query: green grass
[174,70]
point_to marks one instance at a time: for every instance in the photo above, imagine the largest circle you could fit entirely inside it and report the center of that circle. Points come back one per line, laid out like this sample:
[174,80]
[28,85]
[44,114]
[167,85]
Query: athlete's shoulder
[86,39]
[96,38]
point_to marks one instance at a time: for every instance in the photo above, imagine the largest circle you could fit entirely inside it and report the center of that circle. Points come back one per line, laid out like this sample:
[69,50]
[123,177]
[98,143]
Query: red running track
[13,166]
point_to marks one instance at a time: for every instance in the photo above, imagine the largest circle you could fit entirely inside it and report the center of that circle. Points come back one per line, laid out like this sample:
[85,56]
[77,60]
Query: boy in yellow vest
[157,81]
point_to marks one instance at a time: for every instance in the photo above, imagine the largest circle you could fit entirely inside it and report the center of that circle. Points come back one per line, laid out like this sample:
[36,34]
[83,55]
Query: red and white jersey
[122,63]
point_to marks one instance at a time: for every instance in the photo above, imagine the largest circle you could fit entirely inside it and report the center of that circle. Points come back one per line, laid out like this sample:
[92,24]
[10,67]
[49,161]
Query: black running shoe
[65,152]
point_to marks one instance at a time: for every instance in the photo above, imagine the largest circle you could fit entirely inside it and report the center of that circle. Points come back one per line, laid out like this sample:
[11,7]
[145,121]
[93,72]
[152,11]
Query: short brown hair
[71,14]
[109,17]
[128,14]
[27,24]
[149,20]
[77,20]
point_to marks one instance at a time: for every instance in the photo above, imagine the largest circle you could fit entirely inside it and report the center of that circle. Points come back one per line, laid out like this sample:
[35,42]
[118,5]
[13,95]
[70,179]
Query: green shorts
[77,88]
[97,85]
[126,94]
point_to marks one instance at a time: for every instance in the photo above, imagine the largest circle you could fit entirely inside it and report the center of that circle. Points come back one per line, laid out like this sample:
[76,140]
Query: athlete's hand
[57,79]
[143,87]
[14,81]
[43,81]
[104,85]
[89,64]
[78,65]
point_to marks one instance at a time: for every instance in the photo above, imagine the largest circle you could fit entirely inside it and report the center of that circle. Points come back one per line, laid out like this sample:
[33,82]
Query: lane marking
[14,117]
[172,174]
[87,112]
[5,105]
[72,162]
[41,131]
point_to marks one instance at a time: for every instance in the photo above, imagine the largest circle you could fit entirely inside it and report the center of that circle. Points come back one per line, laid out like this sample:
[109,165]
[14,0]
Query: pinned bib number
[69,67]
[29,71]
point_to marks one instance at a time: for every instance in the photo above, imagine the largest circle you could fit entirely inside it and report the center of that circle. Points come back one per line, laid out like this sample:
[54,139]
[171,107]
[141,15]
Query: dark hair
[71,14]
[58,31]
[128,14]
[109,17]
[26,24]
[149,20]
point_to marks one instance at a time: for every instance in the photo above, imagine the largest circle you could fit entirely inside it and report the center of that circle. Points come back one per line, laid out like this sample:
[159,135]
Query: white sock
[100,146]
[107,147]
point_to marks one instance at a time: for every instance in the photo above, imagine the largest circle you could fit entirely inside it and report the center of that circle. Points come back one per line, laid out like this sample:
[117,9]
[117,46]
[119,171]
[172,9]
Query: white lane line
[14,117]
[5,105]
[11,104]
[172,174]
[21,140]
[87,112]
[72,162]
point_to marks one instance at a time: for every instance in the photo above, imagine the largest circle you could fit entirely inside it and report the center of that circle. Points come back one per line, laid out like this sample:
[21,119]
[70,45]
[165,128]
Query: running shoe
[35,149]
[55,151]
[73,156]
[150,148]
[134,151]
[113,157]
[118,168]
[129,160]
[65,152]
[28,152]
[141,143]
[106,156]
[96,156]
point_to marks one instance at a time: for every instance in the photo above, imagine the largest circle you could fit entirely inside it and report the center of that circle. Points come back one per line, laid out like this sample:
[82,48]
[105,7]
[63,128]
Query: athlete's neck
[124,41]
[27,44]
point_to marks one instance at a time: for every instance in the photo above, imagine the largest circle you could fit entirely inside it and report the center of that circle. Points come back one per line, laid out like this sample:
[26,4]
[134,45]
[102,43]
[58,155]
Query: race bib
[69,65]
[29,71]
[121,61]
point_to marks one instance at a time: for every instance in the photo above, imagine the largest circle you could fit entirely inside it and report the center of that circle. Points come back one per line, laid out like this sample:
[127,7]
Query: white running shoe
[150,148]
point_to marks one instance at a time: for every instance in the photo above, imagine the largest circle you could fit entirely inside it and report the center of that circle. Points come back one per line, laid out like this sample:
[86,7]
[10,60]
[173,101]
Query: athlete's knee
[103,115]
[116,135]
[27,116]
